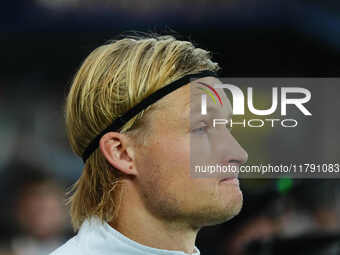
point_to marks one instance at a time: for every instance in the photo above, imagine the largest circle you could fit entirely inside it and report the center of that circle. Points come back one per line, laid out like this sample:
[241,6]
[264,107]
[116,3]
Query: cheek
[214,147]
[206,149]
[174,179]
[164,167]
[167,155]
[172,153]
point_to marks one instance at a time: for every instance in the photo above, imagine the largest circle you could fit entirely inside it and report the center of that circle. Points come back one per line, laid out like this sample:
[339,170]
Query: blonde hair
[111,80]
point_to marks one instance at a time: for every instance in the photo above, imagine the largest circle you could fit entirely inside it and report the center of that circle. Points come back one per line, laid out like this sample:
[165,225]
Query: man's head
[150,156]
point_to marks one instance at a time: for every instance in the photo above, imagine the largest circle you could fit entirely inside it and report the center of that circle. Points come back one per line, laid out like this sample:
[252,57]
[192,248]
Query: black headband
[120,121]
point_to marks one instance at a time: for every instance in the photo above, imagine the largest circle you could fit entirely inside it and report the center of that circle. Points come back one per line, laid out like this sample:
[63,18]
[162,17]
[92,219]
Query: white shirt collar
[96,237]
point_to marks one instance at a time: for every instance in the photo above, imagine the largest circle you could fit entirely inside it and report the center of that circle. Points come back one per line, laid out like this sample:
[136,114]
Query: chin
[233,206]
[238,205]
[224,211]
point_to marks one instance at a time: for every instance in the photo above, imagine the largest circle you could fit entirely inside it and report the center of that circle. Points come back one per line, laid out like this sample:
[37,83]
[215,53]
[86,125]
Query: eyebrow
[210,110]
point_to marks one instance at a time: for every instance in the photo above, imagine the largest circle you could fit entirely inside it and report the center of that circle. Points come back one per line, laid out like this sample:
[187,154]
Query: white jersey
[97,238]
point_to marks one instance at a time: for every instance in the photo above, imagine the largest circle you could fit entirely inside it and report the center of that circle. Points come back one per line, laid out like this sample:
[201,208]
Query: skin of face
[178,131]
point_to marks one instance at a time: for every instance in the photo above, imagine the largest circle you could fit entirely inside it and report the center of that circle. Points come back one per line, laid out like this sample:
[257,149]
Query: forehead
[216,98]
[188,99]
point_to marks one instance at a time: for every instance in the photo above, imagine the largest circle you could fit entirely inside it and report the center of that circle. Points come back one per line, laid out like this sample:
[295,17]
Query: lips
[227,179]
[230,180]
[231,175]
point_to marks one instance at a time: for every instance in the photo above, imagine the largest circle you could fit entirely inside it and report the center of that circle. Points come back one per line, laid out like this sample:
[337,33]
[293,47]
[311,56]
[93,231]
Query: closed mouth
[228,179]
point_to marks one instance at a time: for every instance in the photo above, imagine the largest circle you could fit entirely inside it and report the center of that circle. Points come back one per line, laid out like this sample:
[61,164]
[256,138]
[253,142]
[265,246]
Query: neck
[137,223]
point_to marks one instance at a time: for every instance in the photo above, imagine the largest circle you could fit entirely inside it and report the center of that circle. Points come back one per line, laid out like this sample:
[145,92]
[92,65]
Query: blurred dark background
[43,43]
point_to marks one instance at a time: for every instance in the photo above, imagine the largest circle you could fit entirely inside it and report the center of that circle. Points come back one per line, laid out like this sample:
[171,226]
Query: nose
[239,158]
[235,152]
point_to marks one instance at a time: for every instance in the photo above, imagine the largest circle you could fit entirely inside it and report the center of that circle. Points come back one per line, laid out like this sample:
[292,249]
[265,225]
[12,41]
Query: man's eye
[201,129]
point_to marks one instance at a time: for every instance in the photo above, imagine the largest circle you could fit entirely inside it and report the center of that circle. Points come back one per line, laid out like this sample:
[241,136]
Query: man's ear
[118,150]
